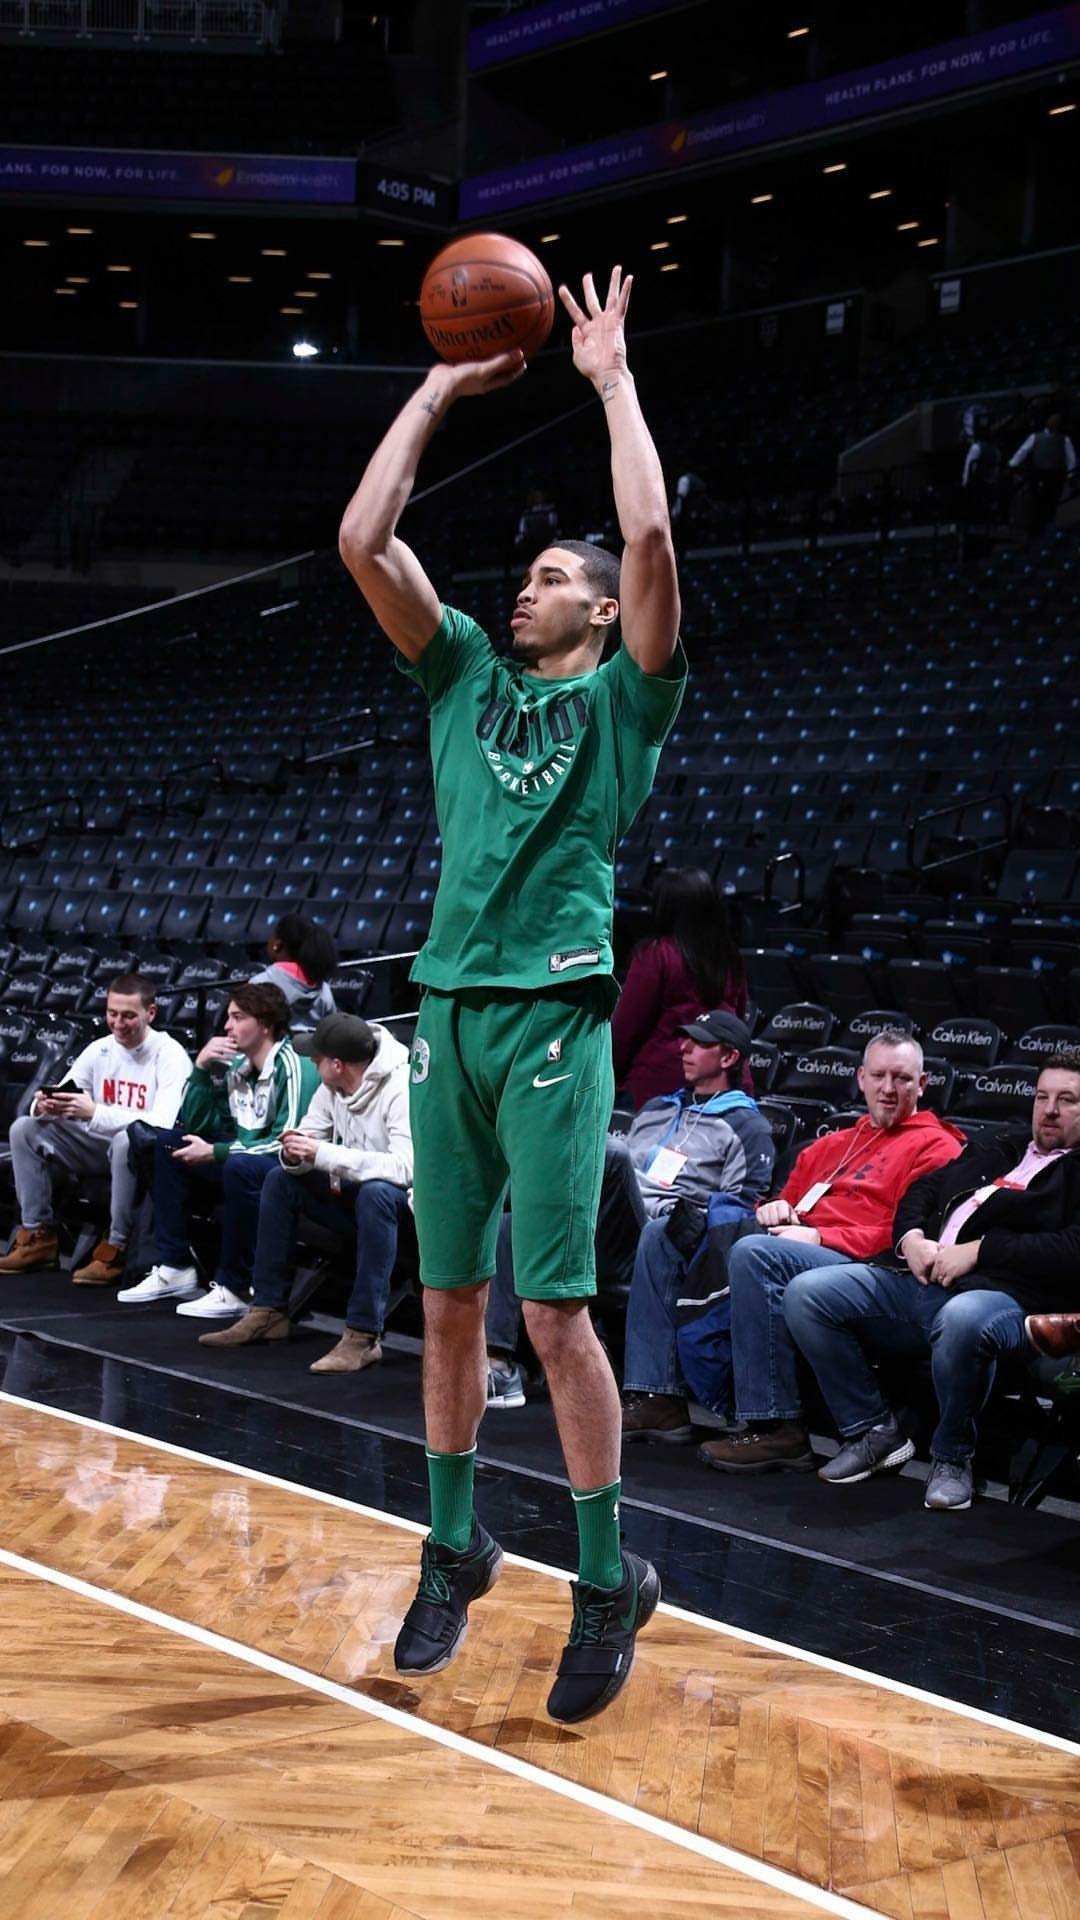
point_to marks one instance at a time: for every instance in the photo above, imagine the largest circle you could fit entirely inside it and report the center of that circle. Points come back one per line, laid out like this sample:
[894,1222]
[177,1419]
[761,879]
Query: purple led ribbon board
[177,176]
[1047,39]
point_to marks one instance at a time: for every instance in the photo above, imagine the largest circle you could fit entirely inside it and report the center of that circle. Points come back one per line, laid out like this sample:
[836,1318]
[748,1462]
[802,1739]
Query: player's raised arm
[387,572]
[649,586]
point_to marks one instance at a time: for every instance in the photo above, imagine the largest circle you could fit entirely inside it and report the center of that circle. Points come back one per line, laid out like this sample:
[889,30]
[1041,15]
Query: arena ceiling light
[77,279]
[677,219]
[303,350]
[797,33]
[79,230]
[70,291]
[881,193]
[908,226]
[198,234]
[932,240]
[128,306]
[37,243]
[835,166]
[1067,106]
[760,199]
[320,275]
[670,266]
[659,246]
[547,239]
[304,293]
[119,269]
[389,243]
[290,309]
[240,279]
[274,253]
[660,74]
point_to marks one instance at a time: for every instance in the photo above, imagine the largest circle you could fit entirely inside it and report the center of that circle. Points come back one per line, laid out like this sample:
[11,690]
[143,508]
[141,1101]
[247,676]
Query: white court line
[713,1850]
[744,1634]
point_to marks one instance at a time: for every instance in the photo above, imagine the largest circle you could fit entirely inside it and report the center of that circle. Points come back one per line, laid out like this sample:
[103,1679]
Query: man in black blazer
[983,1245]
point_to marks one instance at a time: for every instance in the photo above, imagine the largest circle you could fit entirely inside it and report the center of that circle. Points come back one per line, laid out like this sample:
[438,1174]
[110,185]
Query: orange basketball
[484,295]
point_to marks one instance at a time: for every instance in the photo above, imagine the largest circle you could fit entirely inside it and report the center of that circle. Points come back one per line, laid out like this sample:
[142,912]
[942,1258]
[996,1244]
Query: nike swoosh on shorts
[539,1081]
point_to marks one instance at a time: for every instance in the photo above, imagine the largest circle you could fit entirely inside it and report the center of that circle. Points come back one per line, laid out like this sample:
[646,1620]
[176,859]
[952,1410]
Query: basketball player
[541,763]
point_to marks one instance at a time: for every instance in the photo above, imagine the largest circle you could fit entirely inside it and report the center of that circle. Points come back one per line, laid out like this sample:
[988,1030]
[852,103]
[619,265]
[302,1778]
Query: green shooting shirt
[536,781]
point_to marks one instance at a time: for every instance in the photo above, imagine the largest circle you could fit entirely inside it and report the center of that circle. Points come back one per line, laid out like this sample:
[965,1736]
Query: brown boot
[782,1447]
[32,1247]
[655,1416]
[353,1352]
[258,1323]
[105,1264]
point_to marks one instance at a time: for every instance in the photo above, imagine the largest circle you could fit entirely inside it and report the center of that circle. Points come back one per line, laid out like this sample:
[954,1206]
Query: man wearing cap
[708,1138]
[350,1161]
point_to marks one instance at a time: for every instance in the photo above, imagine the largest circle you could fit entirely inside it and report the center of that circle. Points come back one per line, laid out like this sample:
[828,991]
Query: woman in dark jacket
[690,964]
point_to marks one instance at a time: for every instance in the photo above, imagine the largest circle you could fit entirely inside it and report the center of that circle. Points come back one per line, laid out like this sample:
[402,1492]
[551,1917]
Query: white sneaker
[218,1304]
[172,1283]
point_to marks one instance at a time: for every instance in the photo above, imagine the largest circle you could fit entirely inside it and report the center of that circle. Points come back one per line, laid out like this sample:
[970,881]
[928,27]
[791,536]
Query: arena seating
[310,99]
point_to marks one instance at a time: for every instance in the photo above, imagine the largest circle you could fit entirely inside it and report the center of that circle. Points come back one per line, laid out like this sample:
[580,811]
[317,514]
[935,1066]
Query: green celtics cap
[339,1036]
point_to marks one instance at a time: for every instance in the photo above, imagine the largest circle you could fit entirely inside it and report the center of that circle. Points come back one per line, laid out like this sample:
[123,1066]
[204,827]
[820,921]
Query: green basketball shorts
[511,1087]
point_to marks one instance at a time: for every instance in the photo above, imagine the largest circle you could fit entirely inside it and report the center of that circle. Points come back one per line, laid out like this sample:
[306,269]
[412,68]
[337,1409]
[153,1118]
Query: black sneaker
[599,1654]
[434,1627]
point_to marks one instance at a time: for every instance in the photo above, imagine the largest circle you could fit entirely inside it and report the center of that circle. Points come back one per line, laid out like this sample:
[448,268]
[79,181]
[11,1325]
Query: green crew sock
[450,1480]
[599,1550]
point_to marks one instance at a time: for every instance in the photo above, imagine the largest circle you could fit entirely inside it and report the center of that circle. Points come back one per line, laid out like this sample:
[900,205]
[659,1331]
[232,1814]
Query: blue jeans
[374,1208]
[763,1354]
[238,1178]
[619,1223]
[652,1357]
[837,1317]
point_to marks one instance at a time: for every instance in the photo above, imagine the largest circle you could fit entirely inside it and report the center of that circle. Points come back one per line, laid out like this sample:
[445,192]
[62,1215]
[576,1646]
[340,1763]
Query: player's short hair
[600,567]
[892,1037]
[263,1001]
[133,983]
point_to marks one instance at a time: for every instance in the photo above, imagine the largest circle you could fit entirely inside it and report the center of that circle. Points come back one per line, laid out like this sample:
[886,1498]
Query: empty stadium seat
[764,1061]
[1001,1092]
[966,1040]
[939,1092]
[800,1023]
[862,1027]
[820,1073]
[1038,1043]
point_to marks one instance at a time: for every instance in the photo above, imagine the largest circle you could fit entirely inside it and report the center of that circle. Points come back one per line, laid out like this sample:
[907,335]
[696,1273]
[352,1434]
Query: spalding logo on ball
[485,295]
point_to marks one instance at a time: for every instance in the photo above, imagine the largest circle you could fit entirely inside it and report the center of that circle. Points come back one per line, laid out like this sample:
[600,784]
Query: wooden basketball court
[201,1717]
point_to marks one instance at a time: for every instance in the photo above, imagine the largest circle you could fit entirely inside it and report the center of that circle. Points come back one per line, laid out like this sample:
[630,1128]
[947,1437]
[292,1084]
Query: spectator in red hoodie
[689,962]
[836,1205]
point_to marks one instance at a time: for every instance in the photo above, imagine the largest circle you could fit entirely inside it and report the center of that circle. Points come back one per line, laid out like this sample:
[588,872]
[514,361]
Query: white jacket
[366,1135]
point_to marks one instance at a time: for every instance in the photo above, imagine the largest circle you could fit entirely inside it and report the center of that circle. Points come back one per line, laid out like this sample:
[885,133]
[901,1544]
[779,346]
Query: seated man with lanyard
[681,1148]
[836,1206]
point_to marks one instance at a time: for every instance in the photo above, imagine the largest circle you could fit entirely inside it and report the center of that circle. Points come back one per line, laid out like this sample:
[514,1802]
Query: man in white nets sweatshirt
[133,1073]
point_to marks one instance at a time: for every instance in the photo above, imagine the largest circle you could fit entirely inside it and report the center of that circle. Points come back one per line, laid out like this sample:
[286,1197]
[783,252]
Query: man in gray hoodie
[349,1161]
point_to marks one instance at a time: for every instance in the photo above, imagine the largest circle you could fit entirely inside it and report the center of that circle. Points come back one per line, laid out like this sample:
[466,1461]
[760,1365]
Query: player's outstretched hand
[486,376]
[599,336]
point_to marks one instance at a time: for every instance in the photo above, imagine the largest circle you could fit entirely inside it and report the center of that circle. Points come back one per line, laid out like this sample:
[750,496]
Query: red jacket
[660,997]
[879,1164]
